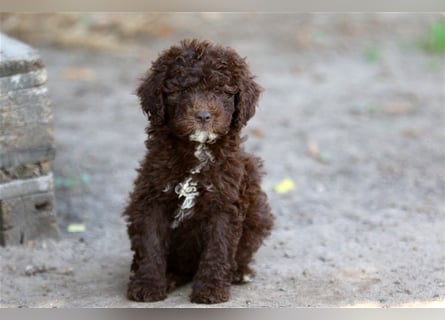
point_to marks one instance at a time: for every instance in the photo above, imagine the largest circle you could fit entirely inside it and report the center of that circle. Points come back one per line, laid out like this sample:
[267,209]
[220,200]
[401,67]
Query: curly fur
[197,211]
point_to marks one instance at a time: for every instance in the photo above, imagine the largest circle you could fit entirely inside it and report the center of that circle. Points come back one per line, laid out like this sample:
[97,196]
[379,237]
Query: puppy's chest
[192,186]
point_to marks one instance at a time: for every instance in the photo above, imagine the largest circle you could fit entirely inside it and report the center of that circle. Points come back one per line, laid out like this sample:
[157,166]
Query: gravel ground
[353,114]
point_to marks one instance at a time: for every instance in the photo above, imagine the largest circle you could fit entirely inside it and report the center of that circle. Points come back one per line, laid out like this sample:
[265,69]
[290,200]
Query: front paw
[203,293]
[243,276]
[146,291]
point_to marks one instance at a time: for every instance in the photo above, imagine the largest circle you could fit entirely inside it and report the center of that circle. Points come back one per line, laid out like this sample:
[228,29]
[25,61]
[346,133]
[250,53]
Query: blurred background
[350,126]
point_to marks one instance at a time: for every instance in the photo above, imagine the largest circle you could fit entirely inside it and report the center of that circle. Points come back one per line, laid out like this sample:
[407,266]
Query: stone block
[26,131]
[26,147]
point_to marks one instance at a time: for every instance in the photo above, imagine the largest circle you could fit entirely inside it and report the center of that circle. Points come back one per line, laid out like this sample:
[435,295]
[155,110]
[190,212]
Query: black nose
[203,116]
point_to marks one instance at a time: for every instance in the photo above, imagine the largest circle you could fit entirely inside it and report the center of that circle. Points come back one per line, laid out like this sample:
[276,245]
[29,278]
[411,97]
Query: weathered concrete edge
[25,187]
[17,57]
[22,81]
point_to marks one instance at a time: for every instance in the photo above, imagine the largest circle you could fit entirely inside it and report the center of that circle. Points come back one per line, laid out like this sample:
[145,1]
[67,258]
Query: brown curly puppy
[197,210]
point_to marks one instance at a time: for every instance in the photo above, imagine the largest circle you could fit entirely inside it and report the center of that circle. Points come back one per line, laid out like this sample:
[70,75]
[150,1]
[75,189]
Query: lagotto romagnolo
[197,212]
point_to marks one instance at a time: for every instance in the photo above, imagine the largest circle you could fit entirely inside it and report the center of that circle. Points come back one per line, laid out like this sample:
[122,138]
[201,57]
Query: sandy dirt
[353,113]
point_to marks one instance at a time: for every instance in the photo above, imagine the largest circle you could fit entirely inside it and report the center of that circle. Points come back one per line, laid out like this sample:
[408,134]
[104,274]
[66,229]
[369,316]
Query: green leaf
[76,227]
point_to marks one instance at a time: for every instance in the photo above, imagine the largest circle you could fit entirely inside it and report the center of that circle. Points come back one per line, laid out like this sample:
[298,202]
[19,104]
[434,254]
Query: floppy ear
[246,99]
[150,94]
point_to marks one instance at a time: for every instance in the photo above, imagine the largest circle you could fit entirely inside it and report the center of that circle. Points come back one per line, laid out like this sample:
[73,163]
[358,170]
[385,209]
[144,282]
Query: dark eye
[228,96]
[229,100]
[173,97]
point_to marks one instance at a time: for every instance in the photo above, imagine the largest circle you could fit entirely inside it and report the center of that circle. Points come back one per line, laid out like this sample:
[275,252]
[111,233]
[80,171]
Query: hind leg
[257,226]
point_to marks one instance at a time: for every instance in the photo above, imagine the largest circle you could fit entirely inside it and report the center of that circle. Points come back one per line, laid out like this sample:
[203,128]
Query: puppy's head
[199,90]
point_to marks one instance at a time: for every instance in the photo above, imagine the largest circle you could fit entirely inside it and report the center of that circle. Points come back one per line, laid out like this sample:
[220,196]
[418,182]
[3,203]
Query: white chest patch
[188,189]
